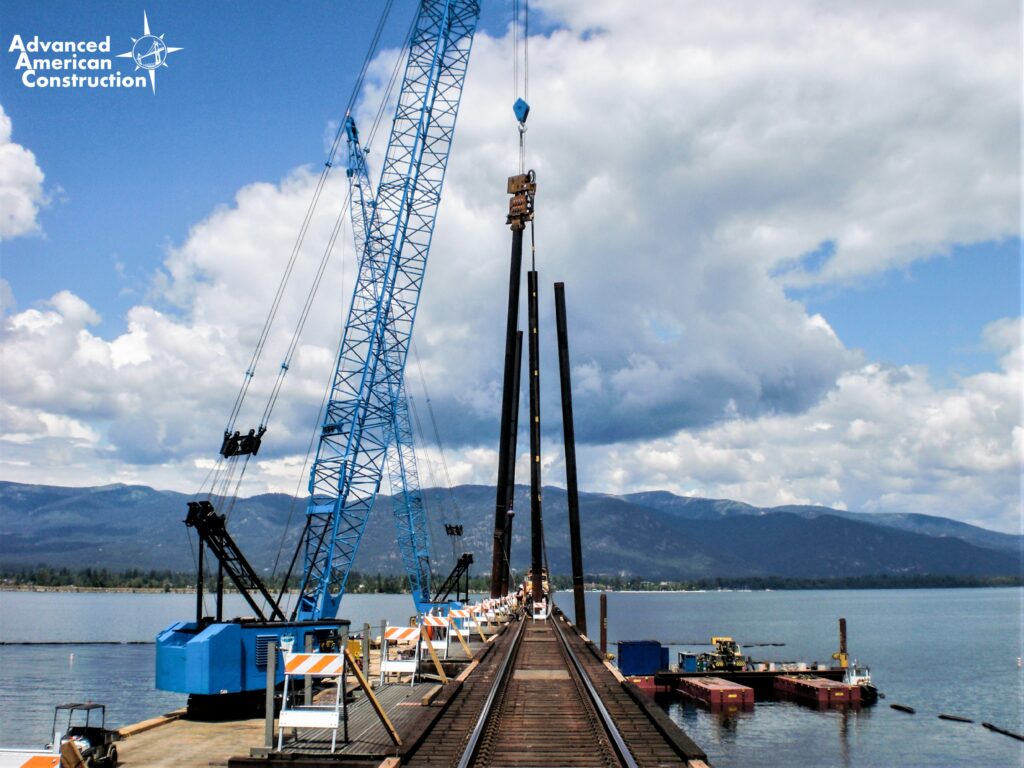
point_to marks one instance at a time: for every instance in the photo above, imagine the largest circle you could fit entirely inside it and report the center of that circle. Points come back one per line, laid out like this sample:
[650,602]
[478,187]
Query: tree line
[362,583]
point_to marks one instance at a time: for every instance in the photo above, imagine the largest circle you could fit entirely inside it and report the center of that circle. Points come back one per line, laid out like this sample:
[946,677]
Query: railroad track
[543,696]
[542,709]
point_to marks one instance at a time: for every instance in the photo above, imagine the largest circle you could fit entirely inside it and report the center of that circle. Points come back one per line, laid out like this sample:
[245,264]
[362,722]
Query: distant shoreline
[112,590]
[938,584]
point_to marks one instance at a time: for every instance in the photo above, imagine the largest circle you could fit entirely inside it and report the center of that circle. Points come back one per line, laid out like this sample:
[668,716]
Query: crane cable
[305,463]
[525,35]
[423,459]
[225,482]
[522,164]
[296,335]
[457,516]
[257,353]
[214,476]
[385,99]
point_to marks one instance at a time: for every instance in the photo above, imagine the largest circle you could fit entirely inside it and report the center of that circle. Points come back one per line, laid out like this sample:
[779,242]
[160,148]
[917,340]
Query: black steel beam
[506,572]
[511,327]
[212,531]
[569,434]
[536,519]
[453,582]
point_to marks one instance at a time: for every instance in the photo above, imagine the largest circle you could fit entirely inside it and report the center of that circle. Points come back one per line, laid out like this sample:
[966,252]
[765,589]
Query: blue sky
[761,240]
[129,173]
[290,71]
[930,313]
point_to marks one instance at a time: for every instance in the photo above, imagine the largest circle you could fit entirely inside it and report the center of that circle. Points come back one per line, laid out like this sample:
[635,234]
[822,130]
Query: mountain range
[653,535]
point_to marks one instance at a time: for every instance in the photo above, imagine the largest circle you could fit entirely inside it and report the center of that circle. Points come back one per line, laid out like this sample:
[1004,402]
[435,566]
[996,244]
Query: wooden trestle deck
[434,722]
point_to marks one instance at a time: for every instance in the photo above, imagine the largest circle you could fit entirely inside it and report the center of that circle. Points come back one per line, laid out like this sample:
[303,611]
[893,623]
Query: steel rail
[625,756]
[473,744]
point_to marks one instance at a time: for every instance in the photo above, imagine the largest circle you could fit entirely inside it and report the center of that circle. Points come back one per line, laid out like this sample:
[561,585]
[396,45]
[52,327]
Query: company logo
[38,58]
[149,52]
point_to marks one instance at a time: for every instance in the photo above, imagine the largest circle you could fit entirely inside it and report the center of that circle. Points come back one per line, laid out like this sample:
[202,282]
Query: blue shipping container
[642,657]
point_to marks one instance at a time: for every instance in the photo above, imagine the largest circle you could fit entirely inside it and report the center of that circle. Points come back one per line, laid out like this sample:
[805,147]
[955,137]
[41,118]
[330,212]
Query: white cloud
[883,440]
[21,185]
[688,156]
[889,129]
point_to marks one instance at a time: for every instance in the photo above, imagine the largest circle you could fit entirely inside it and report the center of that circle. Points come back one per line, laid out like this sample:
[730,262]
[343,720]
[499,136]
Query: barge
[717,694]
[700,676]
[816,690]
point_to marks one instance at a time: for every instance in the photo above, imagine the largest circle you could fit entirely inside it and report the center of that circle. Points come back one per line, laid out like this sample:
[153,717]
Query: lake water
[951,651]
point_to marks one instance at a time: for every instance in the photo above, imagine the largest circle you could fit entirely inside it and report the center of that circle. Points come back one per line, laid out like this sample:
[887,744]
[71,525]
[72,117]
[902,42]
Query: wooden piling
[604,624]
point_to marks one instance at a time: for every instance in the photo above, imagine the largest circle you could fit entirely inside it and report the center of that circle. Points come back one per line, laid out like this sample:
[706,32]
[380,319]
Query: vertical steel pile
[510,513]
[520,211]
[501,502]
[569,435]
[536,521]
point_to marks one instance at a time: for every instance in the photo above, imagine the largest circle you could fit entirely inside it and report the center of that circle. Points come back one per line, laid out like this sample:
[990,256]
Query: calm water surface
[943,650]
[949,651]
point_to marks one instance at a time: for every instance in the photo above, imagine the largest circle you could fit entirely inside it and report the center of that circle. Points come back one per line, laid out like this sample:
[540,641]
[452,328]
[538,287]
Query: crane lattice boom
[412,532]
[359,419]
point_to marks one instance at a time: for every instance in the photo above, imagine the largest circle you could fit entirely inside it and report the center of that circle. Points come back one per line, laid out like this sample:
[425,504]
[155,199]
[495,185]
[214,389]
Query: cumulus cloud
[878,132]
[689,157]
[163,387]
[883,440]
[694,162]
[21,185]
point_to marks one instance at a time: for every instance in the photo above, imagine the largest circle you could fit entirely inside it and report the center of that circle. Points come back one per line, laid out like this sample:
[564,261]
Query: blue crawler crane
[220,662]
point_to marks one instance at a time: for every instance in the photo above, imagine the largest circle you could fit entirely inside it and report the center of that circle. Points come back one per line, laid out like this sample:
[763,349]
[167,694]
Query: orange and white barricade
[31,758]
[541,611]
[460,621]
[330,716]
[400,665]
[483,619]
[437,630]
[471,621]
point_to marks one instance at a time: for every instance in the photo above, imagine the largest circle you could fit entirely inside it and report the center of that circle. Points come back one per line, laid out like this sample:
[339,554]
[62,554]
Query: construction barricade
[395,660]
[437,632]
[330,716]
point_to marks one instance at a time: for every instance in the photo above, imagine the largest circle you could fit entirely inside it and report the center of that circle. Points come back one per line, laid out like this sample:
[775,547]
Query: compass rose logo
[149,52]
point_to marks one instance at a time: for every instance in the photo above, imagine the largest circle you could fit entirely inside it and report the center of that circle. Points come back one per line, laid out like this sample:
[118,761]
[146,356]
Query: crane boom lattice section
[407,506]
[359,419]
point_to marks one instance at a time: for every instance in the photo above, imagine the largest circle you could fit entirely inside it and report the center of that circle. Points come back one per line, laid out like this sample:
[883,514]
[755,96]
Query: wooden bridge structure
[517,692]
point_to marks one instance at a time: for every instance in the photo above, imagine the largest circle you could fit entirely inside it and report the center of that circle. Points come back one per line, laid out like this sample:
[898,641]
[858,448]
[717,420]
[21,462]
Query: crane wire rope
[524,36]
[522,169]
[437,437]
[428,462]
[385,99]
[311,295]
[456,518]
[218,468]
[318,278]
[309,452]
[257,353]
[315,287]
